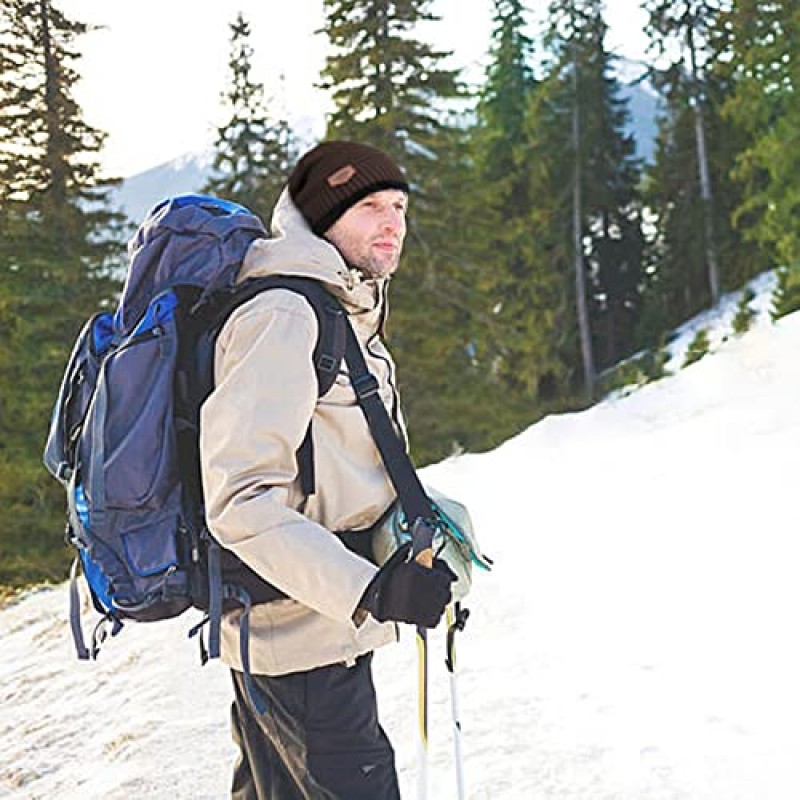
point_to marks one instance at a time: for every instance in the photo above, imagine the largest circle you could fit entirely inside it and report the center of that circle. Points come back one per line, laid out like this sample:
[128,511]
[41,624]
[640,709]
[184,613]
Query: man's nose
[393,220]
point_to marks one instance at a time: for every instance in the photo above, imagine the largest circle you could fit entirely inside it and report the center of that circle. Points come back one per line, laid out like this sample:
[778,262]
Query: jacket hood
[295,250]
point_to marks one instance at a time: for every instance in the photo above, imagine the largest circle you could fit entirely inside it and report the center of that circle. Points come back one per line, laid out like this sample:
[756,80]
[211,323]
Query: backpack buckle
[327,363]
[365,386]
[64,472]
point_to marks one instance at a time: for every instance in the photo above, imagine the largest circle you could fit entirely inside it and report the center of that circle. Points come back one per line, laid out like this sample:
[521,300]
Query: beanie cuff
[321,225]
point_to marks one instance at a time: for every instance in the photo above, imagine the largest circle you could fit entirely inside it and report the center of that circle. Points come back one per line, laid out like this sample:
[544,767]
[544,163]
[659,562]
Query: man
[342,221]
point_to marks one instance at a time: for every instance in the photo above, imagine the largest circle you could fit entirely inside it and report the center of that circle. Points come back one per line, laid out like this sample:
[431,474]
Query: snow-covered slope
[635,640]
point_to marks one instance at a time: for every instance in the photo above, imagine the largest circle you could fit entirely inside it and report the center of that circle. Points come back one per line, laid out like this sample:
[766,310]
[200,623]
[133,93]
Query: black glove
[405,591]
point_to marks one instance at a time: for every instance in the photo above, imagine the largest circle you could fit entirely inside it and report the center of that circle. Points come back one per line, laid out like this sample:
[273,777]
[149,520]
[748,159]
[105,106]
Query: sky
[637,637]
[153,73]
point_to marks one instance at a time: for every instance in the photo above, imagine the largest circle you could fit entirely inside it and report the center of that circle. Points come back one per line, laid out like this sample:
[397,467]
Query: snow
[636,639]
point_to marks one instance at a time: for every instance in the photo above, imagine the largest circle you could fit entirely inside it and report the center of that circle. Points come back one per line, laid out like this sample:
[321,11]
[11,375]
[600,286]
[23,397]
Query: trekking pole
[456,619]
[422,549]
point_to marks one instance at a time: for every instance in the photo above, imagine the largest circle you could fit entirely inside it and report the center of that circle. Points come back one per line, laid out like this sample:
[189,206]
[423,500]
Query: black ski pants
[318,740]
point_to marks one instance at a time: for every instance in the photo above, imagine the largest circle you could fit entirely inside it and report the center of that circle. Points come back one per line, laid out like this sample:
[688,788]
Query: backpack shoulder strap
[331,318]
[328,353]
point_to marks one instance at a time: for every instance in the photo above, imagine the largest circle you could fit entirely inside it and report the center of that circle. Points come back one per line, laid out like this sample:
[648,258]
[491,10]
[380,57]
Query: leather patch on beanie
[341,176]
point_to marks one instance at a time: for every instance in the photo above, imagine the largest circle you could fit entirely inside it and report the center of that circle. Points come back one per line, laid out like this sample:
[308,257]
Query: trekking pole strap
[457,619]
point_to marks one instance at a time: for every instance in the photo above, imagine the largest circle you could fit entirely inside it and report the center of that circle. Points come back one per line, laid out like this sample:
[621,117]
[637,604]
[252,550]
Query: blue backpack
[123,438]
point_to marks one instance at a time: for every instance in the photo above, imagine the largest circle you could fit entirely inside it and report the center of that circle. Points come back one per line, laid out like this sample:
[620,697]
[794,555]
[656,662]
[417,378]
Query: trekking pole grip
[422,542]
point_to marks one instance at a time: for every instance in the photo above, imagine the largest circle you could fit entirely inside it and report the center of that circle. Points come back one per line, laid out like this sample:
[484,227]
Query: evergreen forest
[543,258]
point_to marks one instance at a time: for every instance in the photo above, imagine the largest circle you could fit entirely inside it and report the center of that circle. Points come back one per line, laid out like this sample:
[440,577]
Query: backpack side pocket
[75,394]
[133,461]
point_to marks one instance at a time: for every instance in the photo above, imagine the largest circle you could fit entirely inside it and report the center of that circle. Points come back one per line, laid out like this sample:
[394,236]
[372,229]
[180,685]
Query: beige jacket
[251,427]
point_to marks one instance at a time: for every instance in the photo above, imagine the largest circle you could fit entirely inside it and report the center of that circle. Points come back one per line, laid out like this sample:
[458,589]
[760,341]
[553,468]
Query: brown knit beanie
[335,175]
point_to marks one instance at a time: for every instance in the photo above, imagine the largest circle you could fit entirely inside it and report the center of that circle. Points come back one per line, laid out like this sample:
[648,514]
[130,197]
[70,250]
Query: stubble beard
[374,267]
[364,259]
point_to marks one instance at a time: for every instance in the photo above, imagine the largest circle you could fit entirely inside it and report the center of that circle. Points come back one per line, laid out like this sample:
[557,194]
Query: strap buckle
[327,363]
[365,386]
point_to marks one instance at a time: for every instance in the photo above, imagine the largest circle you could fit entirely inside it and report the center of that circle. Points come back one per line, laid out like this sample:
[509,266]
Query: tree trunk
[577,241]
[57,189]
[705,177]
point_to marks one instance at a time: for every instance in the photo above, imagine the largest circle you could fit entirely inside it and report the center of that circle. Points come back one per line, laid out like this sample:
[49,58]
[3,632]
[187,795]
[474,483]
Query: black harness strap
[404,478]
[328,355]
[328,351]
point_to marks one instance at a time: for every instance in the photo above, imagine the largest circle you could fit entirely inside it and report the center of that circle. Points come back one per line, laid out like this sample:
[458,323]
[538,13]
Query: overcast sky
[152,77]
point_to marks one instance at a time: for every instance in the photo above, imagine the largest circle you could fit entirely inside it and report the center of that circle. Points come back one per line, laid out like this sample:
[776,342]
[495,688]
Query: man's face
[370,234]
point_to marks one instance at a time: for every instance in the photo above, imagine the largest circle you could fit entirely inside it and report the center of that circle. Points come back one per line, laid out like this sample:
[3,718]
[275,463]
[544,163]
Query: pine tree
[678,254]
[603,175]
[527,291]
[613,204]
[786,297]
[698,348]
[48,153]
[745,314]
[254,153]
[677,285]
[761,42]
[685,24]
[59,243]
[740,254]
[391,90]
[382,80]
